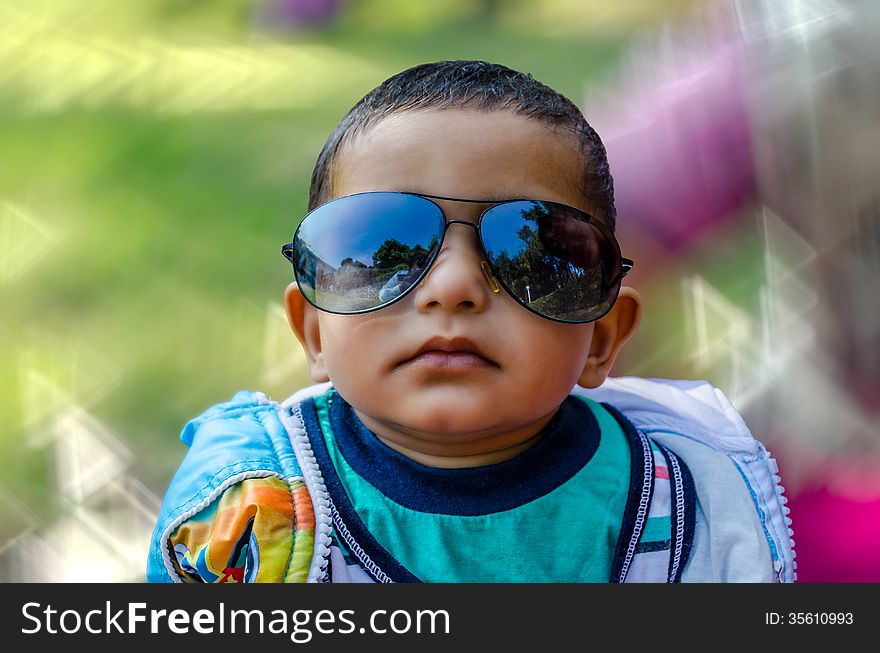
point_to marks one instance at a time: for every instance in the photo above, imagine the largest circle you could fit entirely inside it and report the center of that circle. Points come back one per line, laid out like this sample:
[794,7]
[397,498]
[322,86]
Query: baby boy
[459,298]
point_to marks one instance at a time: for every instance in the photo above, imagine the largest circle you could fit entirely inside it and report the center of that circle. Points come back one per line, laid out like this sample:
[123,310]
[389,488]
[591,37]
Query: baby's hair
[479,85]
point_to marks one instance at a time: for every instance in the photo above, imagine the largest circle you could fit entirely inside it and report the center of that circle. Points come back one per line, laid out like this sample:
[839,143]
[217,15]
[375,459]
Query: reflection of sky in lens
[501,226]
[356,227]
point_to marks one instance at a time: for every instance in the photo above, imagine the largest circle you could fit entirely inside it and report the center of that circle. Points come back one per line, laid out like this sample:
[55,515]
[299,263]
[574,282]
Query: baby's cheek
[333,349]
[562,355]
[342,335]
[351,354]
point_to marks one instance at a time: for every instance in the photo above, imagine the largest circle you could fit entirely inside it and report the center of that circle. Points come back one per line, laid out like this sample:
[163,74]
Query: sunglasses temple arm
[626,266]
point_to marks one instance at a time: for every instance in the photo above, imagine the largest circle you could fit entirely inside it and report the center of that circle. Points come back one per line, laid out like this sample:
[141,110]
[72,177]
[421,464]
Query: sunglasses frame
[626,264]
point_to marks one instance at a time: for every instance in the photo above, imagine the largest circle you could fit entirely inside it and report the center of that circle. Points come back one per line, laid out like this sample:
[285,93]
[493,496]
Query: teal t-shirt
[551,514]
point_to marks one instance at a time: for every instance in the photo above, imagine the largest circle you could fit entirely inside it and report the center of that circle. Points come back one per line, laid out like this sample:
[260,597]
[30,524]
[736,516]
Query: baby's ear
[303,319]
[610,334]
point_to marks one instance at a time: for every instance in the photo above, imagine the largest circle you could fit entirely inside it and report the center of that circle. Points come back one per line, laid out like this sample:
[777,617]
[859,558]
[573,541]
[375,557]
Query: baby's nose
[456,281]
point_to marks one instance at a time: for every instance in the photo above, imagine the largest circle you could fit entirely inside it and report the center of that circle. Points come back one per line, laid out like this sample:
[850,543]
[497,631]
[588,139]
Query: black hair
[472,84]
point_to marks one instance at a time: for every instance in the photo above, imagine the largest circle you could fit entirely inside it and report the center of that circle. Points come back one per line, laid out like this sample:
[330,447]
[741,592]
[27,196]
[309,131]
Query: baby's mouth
[450,361]
[458,353]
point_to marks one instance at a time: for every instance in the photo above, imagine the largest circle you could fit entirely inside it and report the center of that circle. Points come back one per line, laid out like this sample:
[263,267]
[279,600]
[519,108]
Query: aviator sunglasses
[366,251]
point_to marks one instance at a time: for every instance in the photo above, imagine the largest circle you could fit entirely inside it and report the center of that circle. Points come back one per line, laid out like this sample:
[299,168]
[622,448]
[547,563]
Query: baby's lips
[453,344]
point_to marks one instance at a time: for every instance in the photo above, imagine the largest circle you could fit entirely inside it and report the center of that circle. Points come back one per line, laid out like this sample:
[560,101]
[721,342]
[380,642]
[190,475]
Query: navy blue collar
[569,441]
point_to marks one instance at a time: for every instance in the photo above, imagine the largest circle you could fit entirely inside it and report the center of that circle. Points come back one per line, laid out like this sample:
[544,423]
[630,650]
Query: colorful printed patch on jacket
[259,530]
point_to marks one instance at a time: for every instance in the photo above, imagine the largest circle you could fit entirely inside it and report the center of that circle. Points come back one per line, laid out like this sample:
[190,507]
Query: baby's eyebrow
[502,197]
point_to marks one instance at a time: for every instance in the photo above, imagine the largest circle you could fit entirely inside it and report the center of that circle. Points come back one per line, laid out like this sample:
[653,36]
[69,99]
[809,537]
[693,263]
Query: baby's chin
[447,421]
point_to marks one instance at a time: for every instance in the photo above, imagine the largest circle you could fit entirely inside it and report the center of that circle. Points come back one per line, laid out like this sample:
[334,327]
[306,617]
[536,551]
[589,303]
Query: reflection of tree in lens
[558,270]
[393,257]
[391,253]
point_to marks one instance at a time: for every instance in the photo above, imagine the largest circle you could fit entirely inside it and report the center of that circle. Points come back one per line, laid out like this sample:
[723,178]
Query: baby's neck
[471,460]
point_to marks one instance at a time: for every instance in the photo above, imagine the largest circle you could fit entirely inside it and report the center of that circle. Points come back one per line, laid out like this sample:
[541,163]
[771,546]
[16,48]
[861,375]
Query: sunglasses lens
[362,251]
[553,259]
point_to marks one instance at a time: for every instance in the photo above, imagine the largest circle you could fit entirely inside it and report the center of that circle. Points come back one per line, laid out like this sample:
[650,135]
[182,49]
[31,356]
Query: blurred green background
[155,155]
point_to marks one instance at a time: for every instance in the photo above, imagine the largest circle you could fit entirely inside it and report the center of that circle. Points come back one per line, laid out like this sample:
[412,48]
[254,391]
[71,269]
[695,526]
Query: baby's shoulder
[691,409]
[241,434]
[737,481]
[249,425]
[241,454]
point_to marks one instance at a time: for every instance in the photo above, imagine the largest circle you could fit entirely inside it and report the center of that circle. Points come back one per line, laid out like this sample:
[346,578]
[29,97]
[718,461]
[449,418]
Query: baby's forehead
[463,153]
[460,125]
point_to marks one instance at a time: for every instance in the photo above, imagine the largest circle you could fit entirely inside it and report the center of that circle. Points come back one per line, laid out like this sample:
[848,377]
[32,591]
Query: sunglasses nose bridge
[469,224]
[474,225]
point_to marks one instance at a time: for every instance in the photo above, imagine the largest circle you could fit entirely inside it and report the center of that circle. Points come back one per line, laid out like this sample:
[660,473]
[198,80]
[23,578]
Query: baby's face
[455,402]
